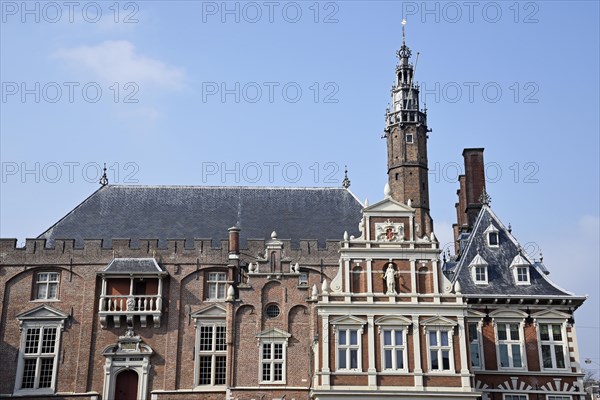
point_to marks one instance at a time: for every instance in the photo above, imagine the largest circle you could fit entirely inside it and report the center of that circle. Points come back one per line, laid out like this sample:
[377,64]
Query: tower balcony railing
[402,116]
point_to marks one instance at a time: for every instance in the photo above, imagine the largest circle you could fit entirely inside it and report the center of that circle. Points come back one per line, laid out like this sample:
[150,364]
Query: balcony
[131,290]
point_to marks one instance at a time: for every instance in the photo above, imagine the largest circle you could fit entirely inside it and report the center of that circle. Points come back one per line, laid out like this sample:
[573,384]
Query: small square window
[409,138]
[481,274]
[303,279]
[46,286]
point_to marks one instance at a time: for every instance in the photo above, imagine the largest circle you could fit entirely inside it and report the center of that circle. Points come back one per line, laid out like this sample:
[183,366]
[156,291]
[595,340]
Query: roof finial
[104,178]
[346,181]
[485,198]
[509,228]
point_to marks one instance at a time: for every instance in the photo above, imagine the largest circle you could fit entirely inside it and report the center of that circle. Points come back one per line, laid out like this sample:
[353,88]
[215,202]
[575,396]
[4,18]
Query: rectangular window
[409,138]
[40,347]
[522,274]
[440,350]
[348,349]
[481,274]
[46,286]
[493,238]
[514,397]
[509,345]
[217,285]
[474,345]
[212,354]
[393,349]
[552,397]
[273,362]
[553,346]
[303,279]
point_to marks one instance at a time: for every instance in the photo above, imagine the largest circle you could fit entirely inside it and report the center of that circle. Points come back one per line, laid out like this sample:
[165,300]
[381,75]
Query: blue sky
[284,93]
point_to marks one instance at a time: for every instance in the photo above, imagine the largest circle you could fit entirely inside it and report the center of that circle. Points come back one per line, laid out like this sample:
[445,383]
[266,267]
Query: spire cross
[104,178]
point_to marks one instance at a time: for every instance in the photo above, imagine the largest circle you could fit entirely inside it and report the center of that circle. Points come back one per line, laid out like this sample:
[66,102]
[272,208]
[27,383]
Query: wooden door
[127,385]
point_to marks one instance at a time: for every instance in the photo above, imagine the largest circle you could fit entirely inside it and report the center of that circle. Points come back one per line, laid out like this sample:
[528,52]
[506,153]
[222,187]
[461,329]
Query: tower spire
[406,133]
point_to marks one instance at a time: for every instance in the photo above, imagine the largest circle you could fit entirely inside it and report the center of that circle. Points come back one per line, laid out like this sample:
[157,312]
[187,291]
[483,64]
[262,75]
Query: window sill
[349,372]
[272,383]
[441,372]
[393,372]
[34,392]
[44,301]
[210,388]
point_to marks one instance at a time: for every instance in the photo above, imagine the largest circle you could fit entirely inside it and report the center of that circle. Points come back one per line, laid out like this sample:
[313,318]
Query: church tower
[406,133]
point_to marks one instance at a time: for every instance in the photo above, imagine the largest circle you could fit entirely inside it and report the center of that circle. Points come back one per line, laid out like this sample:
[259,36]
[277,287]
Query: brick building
[147,292]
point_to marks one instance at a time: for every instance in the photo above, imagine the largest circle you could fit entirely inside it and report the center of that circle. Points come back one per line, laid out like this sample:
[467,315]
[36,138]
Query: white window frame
[213,353]
[527,275]
[347,347]
[552,343]
[474,276]
[515,397]
[41,325]
[492,230]
[394,348]
[272,361]
[440,348]
[412,138]
[217,283]
[510,343]
[478,342]
[558,397]
[47,283]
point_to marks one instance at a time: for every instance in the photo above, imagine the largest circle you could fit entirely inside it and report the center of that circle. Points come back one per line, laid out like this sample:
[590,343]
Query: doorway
[126,387]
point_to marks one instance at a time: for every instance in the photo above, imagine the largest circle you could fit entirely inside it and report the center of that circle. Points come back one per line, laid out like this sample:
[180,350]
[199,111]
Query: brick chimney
[474,184]
[234,241]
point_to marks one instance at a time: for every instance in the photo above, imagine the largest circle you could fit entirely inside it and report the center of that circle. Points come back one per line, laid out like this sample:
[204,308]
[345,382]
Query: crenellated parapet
[176,251]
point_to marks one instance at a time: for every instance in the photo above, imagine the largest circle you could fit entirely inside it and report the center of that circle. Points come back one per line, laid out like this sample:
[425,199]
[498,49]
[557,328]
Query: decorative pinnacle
[485,198]
[104,178]
[346,181]
[403,33]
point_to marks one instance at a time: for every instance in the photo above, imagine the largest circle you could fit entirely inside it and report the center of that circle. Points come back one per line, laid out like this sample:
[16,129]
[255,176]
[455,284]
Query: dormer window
[520,267]
[479,270]
[522,275]
[481,274]
[492,237]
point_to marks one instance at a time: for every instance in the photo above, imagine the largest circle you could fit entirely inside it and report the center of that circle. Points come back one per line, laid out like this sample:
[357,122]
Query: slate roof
[206,212]
[134,266]
[501,281]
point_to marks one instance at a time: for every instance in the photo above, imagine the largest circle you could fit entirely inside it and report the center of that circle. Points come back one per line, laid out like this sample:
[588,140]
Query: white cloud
[117,61]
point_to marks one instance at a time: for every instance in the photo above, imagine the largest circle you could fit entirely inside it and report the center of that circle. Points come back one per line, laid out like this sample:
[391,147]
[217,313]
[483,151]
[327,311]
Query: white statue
[390,279]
